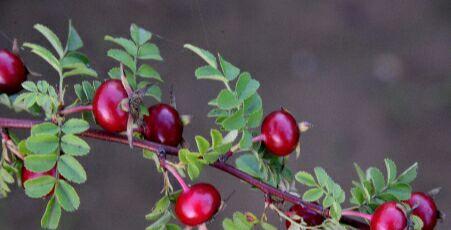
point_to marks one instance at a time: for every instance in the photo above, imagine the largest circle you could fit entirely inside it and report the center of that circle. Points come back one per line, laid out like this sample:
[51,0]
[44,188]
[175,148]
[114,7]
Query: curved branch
[155,147]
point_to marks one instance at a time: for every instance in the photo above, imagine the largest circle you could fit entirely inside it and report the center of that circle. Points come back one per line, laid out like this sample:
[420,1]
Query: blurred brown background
[373,76]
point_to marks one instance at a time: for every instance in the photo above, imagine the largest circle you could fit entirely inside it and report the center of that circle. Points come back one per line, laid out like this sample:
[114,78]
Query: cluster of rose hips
[199,203]
[389,215]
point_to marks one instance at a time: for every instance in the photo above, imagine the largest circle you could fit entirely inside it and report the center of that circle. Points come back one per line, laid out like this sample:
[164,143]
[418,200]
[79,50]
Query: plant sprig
[373,188]
[322,186]
[133,50]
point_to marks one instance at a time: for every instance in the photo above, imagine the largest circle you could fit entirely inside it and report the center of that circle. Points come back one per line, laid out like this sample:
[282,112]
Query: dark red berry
[280,132]
[425,209]
[163,125]
[388,216]
[12,72]
[198,204]
[310,217]
[28,175]
[106,106]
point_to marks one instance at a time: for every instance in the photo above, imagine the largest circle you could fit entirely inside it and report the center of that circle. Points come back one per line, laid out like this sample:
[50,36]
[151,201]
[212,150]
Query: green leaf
[240,221]
[149,52]
[335,211]
[161,207]
[155,92]
[235,121]
[88,89]
[74,145]
[114,73]
[44,128]
[51,37]
[207,56]
[75,126]
[409,174]
[328,201]
[30,86]
[122,57]
[312,194]
[252,104]
[211,157]
[74,41]
[228,224]
[148,72]
[128,45]
[216,138]
[227,100]
[202,144]
[160,224]
[217,113]
[193,170]
[305,178]
[139,35]
[246,86]
[377,178]
[321,176]
[81,71]
[210,73]
[44,54]
[230,71]
[391,170]
[173,227]
[74,59]
[40,162]
[249,164]
[42,143]
[6,176]
[71,169]
[400,191]
[246,140]
[52,215]
[358,195]
[417,222]
[39,187]
[66,196]
[360,172]
[254,120]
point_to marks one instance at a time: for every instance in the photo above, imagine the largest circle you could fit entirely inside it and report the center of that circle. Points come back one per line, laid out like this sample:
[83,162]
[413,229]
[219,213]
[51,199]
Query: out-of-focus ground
[374,77]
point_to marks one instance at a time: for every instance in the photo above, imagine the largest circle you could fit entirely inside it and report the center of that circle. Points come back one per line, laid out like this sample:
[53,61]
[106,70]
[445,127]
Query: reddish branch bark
[155,147]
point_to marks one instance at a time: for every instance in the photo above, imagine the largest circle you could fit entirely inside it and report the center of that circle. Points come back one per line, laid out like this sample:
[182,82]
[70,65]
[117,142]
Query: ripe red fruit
[425,209]
[163,125]
[12,72]
[388,216]
[310,217]
[198,204]
[106,106]
[28,175]
[280,132]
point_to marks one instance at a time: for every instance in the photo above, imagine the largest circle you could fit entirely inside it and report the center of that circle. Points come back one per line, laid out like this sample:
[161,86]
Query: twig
[155,147]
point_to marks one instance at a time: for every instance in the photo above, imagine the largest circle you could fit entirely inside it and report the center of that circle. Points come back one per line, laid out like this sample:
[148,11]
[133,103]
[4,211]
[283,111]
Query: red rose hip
[106,106]
[425,208]
[280,132]
[198,204]
[28,175]
[388,216]
[163,125]
[310,217]
[12,72]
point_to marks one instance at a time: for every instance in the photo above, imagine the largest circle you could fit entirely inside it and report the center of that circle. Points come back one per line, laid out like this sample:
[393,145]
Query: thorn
[434,192]
[304,126]
[15,47]
[172,100]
